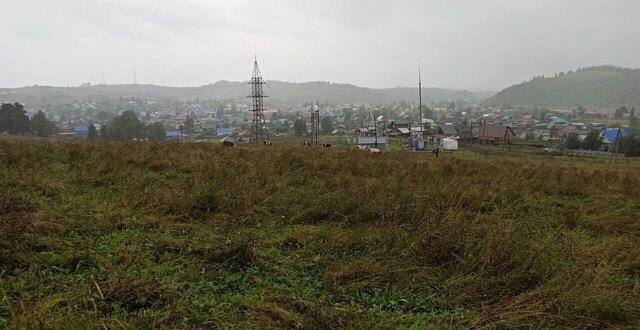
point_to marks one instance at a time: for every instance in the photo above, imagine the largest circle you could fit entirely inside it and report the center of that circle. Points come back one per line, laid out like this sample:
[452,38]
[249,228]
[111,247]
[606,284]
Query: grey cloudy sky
[458,43]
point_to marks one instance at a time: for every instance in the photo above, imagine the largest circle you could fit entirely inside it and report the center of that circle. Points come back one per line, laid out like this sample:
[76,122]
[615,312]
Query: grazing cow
[266,143]
[363,147]
[326,145]
[375,150]
[228,143]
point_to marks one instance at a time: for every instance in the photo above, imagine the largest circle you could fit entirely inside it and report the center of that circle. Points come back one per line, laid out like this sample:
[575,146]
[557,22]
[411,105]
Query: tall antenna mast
[135,79]
[258,130]
[103,79]
[420,97]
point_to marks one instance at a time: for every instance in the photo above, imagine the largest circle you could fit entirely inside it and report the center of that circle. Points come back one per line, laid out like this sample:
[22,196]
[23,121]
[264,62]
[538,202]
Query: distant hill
[594,87]
[281,93]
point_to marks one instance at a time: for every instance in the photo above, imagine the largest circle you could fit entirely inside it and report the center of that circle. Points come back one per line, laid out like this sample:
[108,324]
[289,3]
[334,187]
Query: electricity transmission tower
[258,130]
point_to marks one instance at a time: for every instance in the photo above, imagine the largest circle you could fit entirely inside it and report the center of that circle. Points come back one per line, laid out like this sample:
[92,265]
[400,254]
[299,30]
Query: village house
[527,119]
[567,130]
[492,133]
[398,123]
[556,122]
[446,131]
[610,136]
[177,135]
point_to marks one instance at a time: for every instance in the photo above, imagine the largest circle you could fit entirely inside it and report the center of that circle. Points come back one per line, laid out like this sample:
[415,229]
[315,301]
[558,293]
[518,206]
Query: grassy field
[144,235]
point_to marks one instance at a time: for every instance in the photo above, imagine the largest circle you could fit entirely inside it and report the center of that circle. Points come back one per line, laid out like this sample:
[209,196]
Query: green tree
[156,132]
[592,141]
[188,125]
[348,115]
[105,132]
[326,125]
[620,112]
[633,120]
[13,119]
[572,141]
[104,116]
[92,135]
[42,126]
[299,127]
[126,126]
[631,146]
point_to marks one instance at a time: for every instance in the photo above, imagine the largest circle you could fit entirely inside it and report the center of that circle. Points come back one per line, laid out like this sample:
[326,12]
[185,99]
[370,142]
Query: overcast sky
[473,44]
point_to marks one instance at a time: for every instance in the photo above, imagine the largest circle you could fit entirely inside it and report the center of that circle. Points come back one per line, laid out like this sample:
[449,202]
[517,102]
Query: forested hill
[281,93]
[595,87]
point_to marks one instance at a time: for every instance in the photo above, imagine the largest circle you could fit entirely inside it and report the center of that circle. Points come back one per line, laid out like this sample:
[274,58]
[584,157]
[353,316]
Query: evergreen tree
[126,126]
[632,146]
[572,141]
[92,135]
[156,132]
[633,120]
[326,125]
[620,112]
[13,119]
[593,141]
[299,127]
[42,126]
[105,132]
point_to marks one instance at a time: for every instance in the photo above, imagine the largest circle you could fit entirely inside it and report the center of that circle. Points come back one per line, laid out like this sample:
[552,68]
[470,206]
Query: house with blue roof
[174,135]
[81,129]
[225,131]
[556,122]
[610,136]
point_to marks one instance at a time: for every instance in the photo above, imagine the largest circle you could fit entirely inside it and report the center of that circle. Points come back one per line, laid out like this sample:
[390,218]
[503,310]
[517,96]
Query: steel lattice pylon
[259,133]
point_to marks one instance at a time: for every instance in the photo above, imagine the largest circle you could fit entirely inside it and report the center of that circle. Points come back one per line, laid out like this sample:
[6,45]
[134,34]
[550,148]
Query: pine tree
[42,126]
[92,135]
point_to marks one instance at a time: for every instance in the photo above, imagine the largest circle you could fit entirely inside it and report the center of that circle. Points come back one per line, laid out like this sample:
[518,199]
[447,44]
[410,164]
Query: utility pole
[258,131]
[375,127]
[313,123]
[420,97]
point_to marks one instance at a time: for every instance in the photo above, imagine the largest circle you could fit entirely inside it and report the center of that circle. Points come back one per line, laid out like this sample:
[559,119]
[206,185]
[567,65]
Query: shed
[450,144]
[370,141]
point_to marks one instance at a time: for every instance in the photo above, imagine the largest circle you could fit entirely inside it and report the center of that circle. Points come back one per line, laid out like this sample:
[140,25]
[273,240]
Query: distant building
[450,144]
[446,131]
[81,129]
[225,131]
[174,135]
[556,122]
[81,132]
[610,137]
[528,119]
[370,141]
[398,123]
[207,123]
[492,133]
[565,131]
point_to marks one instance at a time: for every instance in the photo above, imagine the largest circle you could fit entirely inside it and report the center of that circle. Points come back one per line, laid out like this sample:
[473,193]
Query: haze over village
[299,164]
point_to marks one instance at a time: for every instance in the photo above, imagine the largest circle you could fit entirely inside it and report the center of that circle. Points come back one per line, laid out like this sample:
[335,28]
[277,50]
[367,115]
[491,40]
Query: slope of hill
[281,93]
[595,87]
[176,236]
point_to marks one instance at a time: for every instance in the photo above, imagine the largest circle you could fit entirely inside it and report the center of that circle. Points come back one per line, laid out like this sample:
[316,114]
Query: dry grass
[146,235]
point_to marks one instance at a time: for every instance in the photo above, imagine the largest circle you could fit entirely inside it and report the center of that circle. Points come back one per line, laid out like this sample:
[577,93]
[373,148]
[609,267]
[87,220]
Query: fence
[593,153]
